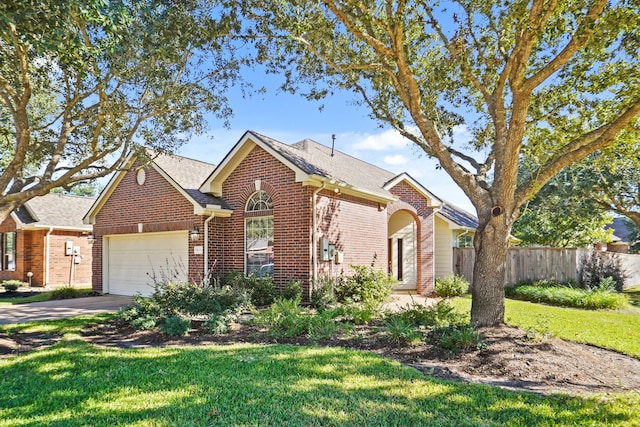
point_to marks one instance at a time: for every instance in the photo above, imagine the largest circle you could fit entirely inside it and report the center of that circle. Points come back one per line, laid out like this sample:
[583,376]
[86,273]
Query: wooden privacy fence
[560,264]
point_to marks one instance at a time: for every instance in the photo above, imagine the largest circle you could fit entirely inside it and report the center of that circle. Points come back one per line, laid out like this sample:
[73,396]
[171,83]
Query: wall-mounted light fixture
[91,238]
[195,233]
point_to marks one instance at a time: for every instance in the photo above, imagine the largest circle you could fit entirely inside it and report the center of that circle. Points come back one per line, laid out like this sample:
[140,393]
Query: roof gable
[183,173]
[428,195]
[58,211]
[313,163]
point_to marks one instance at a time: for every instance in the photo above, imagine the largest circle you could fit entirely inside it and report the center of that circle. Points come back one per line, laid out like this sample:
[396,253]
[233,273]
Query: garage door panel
[133,261]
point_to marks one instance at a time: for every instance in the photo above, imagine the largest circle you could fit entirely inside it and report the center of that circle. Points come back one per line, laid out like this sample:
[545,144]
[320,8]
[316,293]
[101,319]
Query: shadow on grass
[74,383]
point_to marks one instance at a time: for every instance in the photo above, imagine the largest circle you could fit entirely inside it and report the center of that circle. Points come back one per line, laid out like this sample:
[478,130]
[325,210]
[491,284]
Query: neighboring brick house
[294,212]
[46,236]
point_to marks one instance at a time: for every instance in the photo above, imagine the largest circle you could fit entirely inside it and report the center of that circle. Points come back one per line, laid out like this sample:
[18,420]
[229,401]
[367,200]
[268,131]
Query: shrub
[451,286]
[143,323]
[439,315]
[322,296]
[193,299]
[323,326]
[402,331]
[362,314]
[572,297]
[11,285]
[293,290]
[283,319]
[175,325]
[594,266]
[66,292]
[366,285]
[217,324]
[261,290]
[457,339]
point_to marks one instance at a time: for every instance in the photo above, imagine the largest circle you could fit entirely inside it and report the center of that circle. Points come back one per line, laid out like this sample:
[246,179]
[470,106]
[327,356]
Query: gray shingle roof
[620,230]
[189,174]
[459,216]
[315,159]
[56,210]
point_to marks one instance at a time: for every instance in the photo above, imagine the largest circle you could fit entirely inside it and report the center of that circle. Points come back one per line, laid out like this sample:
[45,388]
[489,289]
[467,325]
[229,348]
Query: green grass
[42,296]
[77,384]
[615,330]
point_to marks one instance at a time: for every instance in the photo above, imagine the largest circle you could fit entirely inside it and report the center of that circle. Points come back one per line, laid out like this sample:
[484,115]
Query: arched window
[259,201]
[259,235]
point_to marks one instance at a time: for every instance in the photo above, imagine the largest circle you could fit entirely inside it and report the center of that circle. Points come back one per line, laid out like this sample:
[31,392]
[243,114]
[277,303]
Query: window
[465,240]
[259,235]
[8,249]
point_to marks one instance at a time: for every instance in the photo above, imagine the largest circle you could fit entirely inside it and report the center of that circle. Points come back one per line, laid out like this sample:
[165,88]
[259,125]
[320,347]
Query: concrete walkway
[48,310]
[401,299]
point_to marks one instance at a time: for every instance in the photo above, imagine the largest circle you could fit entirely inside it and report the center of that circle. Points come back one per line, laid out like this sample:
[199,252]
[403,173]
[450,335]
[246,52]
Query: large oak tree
[84,83]
[554,80]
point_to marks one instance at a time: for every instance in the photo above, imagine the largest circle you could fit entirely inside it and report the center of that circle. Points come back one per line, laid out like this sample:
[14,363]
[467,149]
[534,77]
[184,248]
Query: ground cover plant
[634,295]
[603,296]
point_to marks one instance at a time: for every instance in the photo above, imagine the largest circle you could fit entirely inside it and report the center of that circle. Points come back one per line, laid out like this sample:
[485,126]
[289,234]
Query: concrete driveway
[48,310]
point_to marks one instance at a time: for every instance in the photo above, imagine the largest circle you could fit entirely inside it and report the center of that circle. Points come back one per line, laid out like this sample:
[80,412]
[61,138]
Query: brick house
[47,237]
[294,212]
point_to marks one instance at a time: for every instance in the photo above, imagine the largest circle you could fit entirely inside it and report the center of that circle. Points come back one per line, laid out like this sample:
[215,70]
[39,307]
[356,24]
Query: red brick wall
[157,205]
[60,270]
[31,255]
[356,226]
[291,217]
[414,203]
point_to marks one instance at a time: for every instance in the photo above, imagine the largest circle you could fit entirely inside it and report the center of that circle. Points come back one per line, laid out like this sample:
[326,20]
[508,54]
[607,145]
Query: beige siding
[443,248]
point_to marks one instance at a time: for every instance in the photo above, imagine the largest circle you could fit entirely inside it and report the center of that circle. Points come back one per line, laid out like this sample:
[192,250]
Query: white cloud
[396,160]
[387,140]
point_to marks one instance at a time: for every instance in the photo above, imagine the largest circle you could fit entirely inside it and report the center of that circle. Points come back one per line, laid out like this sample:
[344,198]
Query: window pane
[259,246]
[9,251]
[259,201]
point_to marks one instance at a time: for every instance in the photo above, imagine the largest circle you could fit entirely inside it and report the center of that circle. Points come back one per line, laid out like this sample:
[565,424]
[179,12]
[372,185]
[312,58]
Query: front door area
[402,250]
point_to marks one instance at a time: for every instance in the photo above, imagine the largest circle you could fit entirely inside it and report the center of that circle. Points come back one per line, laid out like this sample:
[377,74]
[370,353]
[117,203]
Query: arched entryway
[403,250]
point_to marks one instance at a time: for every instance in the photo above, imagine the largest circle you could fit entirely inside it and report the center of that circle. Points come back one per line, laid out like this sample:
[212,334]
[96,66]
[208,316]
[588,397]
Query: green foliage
[599,298]
[285,318]
[322,296]
[170,300]
[365,285]
[66,292]
[217,324]
[97,79]
[439,315]
[175,325]
[11,285]
[451,286]
[457,339]
[293,290]
[143,323]
[262,290]
[402,331]
[595,266]
[560,216]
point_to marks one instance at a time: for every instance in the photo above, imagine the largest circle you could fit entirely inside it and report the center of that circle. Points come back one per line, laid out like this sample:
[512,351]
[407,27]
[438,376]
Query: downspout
[206,244]
[47,250]
[314,232]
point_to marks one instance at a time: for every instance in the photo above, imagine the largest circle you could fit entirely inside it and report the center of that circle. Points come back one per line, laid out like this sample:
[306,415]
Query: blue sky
[291,118]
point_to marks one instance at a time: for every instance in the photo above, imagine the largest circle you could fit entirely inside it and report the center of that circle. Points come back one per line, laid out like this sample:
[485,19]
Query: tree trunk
[489,271]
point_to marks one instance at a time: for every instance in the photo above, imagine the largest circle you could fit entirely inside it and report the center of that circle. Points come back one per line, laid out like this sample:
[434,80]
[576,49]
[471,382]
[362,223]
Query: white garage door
[134,259]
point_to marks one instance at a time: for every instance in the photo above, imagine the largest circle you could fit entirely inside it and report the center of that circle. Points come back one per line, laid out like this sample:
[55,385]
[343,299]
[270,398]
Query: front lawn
[74,383]
[615,330]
